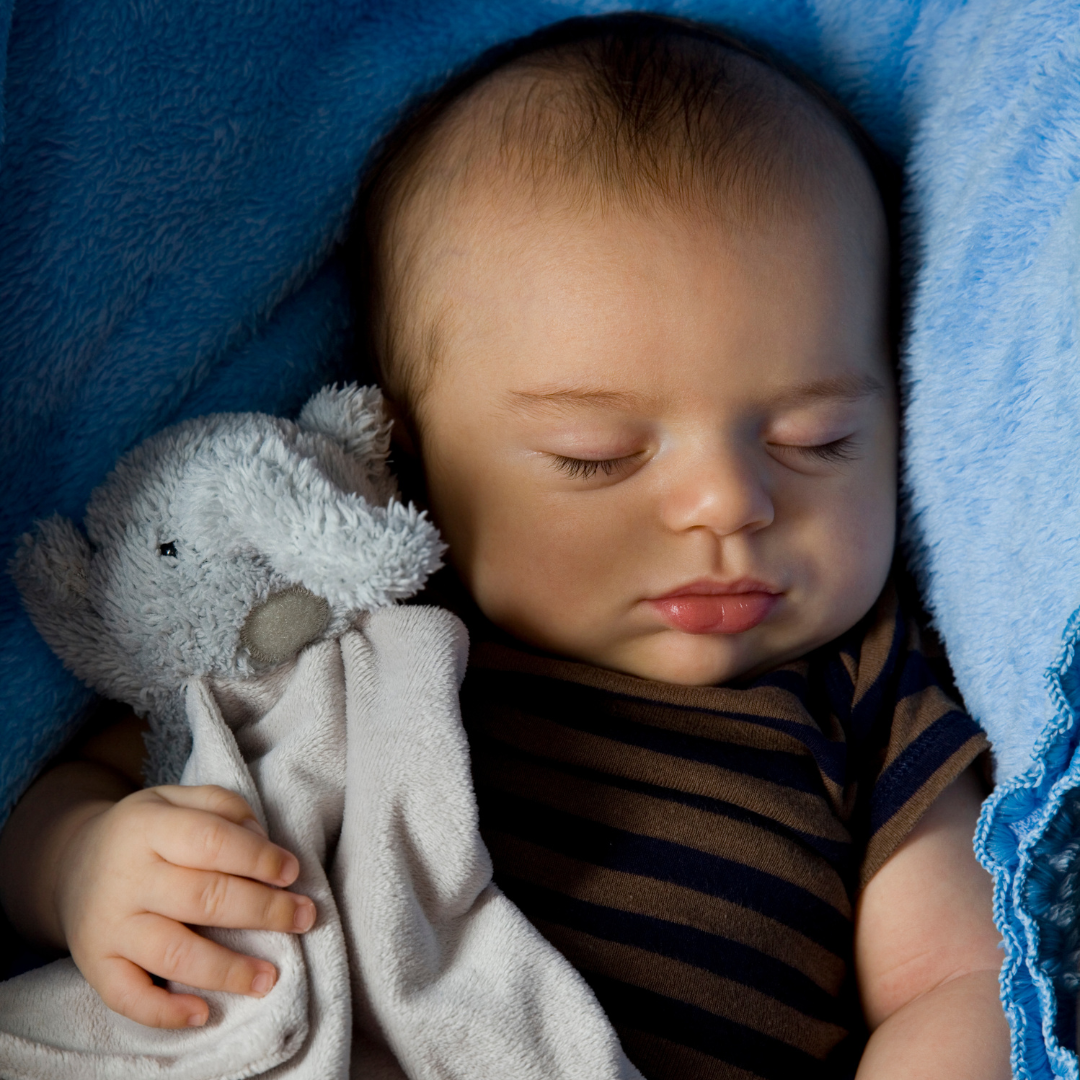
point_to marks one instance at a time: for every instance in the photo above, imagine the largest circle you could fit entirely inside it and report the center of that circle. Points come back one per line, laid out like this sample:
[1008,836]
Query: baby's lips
[725,613]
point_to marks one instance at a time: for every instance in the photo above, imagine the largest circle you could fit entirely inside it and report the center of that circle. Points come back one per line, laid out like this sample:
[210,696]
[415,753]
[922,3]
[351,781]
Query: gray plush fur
[304,515]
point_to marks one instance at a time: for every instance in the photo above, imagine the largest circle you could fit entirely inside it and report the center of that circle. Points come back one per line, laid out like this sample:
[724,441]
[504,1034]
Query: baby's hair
[631,111]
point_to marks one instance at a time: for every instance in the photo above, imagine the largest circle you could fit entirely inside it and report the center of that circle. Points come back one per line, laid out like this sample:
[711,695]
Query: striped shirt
[696,852]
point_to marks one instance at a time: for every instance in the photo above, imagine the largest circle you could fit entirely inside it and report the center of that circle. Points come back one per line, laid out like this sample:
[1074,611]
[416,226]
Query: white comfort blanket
[355,759]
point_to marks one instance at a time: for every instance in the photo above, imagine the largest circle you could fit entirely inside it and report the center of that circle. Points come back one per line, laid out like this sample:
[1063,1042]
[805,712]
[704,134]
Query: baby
[626,287]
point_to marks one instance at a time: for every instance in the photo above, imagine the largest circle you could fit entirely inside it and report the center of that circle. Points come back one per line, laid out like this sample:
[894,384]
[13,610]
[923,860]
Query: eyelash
[584,468]
[837,450]
[832,453]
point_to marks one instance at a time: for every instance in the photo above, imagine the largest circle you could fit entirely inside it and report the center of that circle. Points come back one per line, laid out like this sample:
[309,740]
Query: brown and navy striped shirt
[696,852]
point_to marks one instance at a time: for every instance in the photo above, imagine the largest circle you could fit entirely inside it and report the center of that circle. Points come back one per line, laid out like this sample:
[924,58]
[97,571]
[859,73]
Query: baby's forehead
[675,125]
[670,124]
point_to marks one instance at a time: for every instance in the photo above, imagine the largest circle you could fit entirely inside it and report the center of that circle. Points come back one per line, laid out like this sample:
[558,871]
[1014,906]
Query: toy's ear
[50,570]
[353,416]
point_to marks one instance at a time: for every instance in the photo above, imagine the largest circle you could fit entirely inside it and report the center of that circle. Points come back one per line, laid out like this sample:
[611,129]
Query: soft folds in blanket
[354,757]
[234,583]
[172,183]
[993,452]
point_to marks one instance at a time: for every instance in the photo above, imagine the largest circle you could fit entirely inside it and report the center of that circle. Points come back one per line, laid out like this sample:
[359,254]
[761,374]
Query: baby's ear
[50,569]
[353,417]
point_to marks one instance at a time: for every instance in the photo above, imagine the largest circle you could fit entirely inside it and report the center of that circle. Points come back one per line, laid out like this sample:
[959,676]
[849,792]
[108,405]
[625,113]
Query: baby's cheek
[553,572]
[863,540]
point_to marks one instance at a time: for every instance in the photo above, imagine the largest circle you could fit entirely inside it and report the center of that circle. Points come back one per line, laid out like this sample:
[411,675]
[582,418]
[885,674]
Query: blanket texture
[355,759]
[173,181]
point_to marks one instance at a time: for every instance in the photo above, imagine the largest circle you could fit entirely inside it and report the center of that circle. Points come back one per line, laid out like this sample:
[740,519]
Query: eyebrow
[836,388]
[571,397]
[565,399]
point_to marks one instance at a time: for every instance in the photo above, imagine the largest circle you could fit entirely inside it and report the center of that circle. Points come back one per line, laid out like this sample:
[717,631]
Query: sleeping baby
[626,286]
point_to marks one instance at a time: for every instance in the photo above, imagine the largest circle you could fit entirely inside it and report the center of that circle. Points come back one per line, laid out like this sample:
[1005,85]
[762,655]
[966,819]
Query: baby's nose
[722,492]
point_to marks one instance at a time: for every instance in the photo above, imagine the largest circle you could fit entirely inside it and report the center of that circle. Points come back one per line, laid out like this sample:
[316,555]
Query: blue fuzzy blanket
[174,178]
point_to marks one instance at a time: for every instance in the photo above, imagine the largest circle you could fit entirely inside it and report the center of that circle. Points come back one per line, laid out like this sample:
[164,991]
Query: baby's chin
[670,655]
[673,656]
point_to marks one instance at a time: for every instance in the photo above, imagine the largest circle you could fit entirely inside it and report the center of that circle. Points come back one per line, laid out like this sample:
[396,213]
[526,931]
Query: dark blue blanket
[174,178]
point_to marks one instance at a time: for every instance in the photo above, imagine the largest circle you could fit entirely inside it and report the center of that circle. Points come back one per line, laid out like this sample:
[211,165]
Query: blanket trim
[1011,842]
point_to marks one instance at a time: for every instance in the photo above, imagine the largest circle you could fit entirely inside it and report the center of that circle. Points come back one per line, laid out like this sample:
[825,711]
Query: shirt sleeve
[921,741]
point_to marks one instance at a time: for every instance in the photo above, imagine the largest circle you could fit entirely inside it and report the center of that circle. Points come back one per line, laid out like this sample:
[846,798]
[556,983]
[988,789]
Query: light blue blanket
[174,177]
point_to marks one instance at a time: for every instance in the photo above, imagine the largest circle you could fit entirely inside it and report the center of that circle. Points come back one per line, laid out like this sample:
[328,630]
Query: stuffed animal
[220,547]
[236,585]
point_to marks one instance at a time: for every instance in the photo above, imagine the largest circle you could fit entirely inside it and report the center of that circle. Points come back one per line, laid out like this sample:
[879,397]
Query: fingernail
[304,917]
[290,868]
[196,1020]
[262,984]
[254,826]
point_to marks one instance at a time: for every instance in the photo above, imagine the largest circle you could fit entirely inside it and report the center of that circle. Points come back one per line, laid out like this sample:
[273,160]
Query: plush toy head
[221,547]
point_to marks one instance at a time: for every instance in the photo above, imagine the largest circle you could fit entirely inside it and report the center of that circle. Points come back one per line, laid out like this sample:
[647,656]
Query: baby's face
[660,446]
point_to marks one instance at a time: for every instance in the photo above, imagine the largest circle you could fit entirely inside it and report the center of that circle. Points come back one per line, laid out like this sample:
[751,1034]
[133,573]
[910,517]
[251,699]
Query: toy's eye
[168,549]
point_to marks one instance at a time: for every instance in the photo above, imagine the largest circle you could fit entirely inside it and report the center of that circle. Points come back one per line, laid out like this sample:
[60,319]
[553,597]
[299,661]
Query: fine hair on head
[632,113]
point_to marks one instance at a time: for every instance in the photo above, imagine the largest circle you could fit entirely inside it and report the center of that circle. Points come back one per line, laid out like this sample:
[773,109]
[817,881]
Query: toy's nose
[279,627]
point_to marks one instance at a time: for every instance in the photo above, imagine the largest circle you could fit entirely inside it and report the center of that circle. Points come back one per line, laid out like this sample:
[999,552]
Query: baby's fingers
[127,989]
[167,949]
[210,798]
[214,899]
[203,840]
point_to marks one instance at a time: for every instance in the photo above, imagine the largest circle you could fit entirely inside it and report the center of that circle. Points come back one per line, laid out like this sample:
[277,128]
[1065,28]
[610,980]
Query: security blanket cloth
[235,584]
[174,180]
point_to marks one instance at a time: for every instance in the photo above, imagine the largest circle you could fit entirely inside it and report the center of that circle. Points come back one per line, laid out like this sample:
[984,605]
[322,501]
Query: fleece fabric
[219,546]
[355,759]
[992,454]
[174,179]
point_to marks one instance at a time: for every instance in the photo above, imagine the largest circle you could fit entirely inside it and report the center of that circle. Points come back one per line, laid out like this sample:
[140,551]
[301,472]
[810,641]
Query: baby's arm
[927,956]
[92,864]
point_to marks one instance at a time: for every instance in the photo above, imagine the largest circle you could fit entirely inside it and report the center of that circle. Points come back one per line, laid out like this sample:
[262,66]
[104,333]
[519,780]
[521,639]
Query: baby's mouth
[707,607]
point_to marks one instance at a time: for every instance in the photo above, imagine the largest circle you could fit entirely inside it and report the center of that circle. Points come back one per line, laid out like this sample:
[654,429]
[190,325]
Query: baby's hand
[137,870]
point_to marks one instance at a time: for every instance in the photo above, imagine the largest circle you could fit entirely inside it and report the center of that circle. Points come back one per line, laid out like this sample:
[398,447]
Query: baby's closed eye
[834,451]
[586,468]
